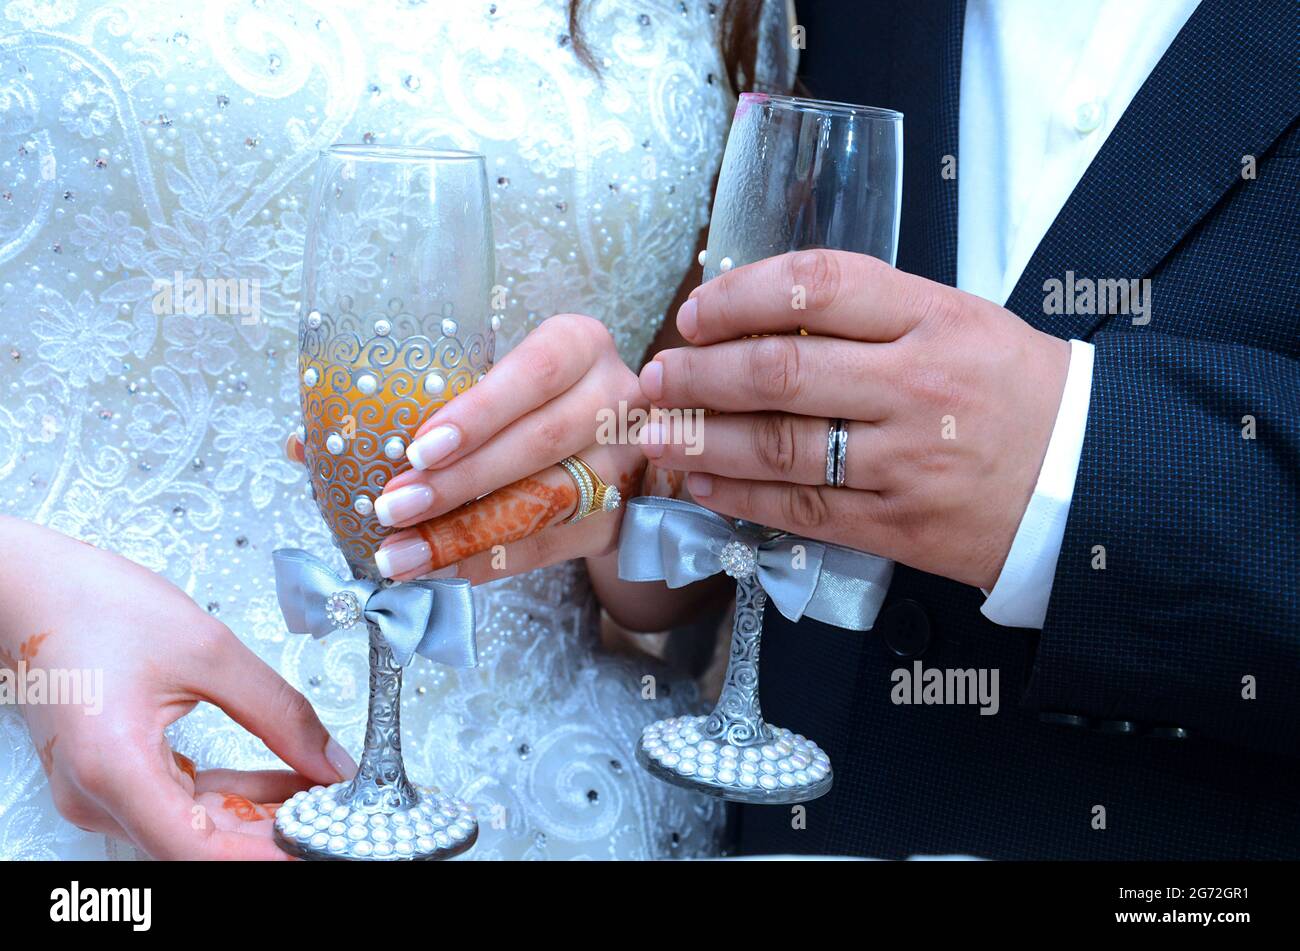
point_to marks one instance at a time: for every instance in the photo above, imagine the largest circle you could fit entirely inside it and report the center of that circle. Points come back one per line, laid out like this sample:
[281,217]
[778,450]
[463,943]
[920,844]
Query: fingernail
[652,380]
[338,757]
[448,572]
[402,557]
[700,484]
[652,440]
[688,318]
[434,446]
[401,505]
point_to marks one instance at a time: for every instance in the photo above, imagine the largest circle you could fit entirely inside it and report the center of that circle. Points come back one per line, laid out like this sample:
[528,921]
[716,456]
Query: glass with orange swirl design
[397,280]
[398,274]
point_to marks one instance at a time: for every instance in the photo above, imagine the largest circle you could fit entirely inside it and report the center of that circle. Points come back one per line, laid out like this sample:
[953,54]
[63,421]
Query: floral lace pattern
[141,144]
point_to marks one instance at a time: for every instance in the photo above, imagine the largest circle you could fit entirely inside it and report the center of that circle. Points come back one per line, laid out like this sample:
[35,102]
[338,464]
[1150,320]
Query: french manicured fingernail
[338,757]
[400,505]
[403,556]
[700,484]
[652,380]
[688,318]
[652,440]
[433,447]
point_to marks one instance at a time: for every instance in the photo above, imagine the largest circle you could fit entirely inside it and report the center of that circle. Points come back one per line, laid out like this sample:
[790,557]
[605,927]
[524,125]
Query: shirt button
[1089,116]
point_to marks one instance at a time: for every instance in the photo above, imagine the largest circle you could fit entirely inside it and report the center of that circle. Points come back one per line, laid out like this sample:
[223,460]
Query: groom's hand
[950,401]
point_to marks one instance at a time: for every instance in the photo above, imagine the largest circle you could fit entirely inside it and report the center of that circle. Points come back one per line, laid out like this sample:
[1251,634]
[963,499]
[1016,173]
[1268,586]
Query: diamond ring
[594,495]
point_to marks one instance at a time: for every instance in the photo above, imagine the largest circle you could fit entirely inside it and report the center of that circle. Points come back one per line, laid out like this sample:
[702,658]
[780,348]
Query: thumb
[265,704]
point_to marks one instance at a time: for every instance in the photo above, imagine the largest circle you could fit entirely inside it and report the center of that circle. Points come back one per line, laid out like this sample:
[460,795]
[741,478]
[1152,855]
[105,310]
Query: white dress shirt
[1042,86]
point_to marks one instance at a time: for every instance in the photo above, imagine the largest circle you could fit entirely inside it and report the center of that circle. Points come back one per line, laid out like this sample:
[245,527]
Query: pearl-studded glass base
[791,768]
[315,825]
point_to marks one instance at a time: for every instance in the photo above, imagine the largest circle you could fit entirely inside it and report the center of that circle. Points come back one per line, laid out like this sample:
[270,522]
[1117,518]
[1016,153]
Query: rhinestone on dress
[738,560]
[343,608]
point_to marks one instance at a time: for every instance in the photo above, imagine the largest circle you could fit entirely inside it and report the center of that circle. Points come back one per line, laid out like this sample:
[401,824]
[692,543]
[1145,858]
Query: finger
[264,703]
[164,821]
[540,438]
[769,447]
[509,514]
[810,376]
[590,537]
[845,516]
[832,293]
[294,449]
[545,364]
[264,785]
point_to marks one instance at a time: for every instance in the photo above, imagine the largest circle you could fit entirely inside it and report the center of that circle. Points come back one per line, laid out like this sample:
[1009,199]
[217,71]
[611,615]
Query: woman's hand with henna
[496,447]
[72,609]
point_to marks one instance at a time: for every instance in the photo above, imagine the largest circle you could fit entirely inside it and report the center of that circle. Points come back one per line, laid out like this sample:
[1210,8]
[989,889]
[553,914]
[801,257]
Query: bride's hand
[497,446]
[68,608]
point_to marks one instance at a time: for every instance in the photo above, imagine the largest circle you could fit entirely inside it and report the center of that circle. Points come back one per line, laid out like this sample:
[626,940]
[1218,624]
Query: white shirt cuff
[1020,595]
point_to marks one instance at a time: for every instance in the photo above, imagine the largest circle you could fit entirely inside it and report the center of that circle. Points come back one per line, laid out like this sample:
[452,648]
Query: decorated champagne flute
[796,174]
[397,275]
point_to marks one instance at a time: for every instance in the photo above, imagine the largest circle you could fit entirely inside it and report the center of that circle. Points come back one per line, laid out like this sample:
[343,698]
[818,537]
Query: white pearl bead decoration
[367,383]
[725,265]
[383,328]
[334,444]
[449,327]
[790,768]
[313,319]
[314,824]
[395,447]
[362,505]
[434,384]
[311,376]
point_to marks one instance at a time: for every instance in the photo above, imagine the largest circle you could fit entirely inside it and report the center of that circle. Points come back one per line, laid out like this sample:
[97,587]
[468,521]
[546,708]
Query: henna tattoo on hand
[507,515]
[185,764]
[27,651]
[244,808]
[46,753]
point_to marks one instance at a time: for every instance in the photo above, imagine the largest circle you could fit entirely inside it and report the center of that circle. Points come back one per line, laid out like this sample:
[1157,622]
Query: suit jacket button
[1117,727]
[1063,719]
[905,628]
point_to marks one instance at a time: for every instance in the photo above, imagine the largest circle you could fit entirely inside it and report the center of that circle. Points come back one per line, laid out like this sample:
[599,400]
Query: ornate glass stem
[381,776]
[738,716]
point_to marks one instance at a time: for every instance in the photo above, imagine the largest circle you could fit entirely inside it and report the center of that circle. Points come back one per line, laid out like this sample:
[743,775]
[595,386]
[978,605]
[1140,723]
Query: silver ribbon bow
[681,543]
[432,618]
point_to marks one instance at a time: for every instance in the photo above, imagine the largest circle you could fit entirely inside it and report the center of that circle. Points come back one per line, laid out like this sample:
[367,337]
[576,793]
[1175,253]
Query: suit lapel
[1226,88]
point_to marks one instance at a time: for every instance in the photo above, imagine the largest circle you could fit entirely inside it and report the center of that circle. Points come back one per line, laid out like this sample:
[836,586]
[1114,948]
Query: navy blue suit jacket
[1135,697]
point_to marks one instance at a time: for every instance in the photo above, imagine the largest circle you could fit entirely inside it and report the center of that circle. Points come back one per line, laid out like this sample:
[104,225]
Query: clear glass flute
[397,275]
[797,174]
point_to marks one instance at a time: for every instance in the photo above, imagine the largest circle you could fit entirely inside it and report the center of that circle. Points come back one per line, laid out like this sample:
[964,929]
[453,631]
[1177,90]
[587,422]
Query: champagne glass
[397,275]
[796,174]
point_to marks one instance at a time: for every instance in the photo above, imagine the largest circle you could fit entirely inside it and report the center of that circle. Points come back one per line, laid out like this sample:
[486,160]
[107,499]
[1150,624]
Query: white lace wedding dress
[140,139]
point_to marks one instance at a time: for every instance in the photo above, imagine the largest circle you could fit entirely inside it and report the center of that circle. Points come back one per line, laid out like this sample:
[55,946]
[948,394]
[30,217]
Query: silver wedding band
[837,450]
